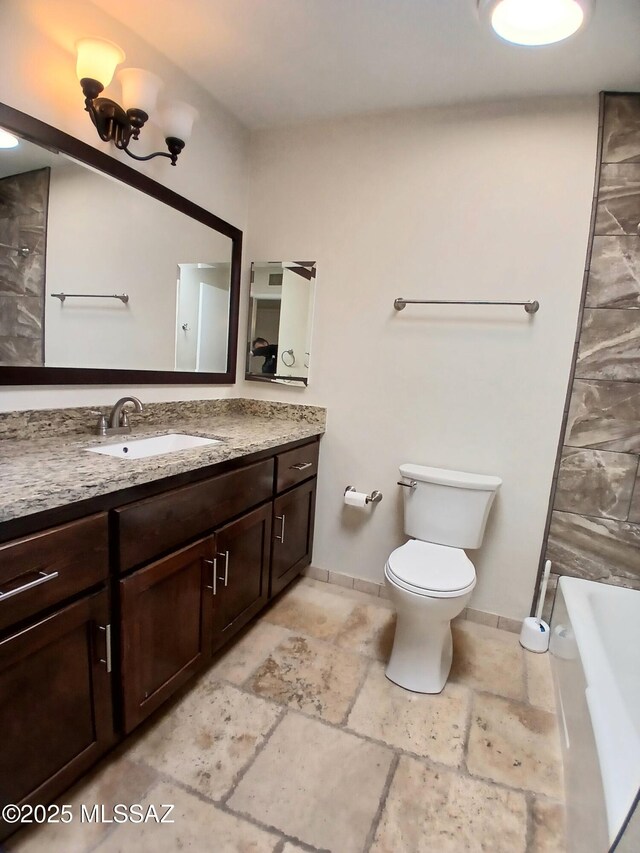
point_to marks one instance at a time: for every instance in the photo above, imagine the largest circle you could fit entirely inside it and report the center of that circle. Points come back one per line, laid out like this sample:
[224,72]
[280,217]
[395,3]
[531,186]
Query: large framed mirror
[106,276]
[280,321]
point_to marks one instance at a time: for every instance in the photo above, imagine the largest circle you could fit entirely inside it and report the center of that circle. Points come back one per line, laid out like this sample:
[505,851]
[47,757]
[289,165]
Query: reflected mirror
[280,321]
[106,275]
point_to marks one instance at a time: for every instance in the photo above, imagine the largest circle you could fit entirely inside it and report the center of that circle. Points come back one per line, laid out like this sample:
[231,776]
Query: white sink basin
[139,448]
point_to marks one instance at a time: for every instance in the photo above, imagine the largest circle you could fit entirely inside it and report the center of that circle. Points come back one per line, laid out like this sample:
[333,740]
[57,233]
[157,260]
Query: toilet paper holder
[374,498]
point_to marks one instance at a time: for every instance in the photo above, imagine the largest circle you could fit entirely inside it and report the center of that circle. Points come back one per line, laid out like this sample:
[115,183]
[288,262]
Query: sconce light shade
[97,60]
[535,22]
[140,89]
[176,120]
[8,140]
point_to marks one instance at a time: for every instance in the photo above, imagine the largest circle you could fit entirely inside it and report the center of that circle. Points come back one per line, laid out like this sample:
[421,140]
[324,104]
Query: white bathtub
[595,644]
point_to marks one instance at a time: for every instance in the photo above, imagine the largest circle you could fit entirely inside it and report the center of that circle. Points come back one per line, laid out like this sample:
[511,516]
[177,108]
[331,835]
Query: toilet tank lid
[446,477]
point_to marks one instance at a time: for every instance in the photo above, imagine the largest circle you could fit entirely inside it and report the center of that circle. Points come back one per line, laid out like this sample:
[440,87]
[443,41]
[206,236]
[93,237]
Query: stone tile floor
[294,740]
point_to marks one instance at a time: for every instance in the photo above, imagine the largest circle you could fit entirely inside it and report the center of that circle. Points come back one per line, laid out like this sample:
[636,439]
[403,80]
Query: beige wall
[37,76]
[486,202]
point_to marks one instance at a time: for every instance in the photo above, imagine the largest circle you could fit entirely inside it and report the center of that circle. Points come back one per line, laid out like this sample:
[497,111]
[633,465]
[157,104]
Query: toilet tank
[447,507]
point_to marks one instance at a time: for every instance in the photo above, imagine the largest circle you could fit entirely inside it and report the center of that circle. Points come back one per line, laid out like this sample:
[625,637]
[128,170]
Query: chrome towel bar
[531,306]
[123,297]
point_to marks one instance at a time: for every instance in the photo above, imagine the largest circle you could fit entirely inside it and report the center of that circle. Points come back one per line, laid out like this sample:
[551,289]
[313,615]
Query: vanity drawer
[297,465]
[41,570]
[155,525]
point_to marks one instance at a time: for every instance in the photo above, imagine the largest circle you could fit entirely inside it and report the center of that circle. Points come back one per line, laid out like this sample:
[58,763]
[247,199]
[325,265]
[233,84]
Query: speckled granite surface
[45,471]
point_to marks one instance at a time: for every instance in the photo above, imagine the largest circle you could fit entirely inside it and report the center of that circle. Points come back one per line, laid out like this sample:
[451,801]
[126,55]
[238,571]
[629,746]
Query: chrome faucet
[118,419]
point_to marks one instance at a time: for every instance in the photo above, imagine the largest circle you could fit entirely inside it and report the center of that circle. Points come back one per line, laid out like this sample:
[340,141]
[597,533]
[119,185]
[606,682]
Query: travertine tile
[293,848]
[347,593]
[310,676]
[595,548]
[312,608]
[341,580]
[595,482]
[366,586]
[430,810]
[482,618]
[548,820]
[116,780]
[369,630]
[512,626]
[634,509]
[197,826]
[208,737]
[614,274]
[609,344]
[604,415]
[315,783]
[429,725]
[317,574]
[245,654]
[487,659]
[515,745]
[540,692]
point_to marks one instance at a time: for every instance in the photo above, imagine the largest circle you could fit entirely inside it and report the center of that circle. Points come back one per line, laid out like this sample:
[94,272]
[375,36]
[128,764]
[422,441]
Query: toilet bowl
[430,579]
[429,585]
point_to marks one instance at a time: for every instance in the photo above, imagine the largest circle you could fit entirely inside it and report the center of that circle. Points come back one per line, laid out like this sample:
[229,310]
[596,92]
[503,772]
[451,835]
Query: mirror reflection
[95,273]
[280,321]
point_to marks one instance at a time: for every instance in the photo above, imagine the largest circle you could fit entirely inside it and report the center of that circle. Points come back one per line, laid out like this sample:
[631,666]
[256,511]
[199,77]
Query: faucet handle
[101,426]
[124,419]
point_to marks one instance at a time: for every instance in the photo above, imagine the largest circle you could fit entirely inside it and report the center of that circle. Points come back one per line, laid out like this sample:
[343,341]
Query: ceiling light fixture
[8,140]
[96,65]
[535,22]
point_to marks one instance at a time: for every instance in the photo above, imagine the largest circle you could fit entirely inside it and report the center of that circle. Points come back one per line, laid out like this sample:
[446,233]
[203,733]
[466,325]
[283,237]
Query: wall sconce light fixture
[96,64]
[536,22]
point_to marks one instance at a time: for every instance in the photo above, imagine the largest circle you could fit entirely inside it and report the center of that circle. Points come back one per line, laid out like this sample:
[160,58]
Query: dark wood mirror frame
[43,134]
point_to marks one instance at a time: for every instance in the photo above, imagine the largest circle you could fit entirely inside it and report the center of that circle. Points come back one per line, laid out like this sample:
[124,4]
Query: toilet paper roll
[355,498]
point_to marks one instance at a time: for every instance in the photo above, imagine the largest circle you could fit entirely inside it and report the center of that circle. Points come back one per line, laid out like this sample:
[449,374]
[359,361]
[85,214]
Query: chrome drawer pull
[226,567]
[214,572]
[43,579]
[107,642]
[300,466]
[281,518]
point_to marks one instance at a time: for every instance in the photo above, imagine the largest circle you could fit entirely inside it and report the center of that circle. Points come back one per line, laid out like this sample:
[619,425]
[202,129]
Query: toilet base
[422,646]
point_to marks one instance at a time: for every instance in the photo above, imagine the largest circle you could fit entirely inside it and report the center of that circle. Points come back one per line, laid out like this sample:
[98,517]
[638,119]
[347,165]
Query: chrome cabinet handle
[300,466]
[226,567]
[44,577]
[107,643]
[410,485]
[281,518]
[214,572]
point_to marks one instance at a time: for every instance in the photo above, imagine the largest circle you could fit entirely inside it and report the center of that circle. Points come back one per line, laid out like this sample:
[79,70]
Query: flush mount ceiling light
[96,64]
[8,140]
[535,22]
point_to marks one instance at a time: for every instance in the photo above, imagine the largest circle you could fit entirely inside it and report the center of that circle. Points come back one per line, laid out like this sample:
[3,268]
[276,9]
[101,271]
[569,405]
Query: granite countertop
[45,471]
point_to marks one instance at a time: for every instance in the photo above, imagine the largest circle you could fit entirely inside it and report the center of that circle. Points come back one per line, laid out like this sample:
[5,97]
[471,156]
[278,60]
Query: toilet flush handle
[410,485]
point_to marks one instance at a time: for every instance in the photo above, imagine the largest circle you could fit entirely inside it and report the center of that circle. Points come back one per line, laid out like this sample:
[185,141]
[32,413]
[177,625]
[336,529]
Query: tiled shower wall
[594,520]
[23,222]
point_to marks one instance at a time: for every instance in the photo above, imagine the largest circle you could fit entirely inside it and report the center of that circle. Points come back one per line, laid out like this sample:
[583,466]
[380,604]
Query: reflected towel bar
[23,251]
[531,306]
[123,297]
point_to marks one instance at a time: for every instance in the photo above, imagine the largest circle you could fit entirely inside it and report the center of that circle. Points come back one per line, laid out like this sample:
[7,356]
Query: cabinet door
[166,628]
[242,576]
[292,534]
[55,702]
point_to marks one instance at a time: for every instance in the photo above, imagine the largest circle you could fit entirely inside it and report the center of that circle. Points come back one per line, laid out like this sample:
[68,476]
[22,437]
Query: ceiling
[274,62]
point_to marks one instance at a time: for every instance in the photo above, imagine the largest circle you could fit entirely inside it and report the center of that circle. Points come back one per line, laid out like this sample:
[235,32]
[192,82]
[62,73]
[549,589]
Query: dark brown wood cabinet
[187,567]
[242,573]
[293,514]
[165,628]
[56,714]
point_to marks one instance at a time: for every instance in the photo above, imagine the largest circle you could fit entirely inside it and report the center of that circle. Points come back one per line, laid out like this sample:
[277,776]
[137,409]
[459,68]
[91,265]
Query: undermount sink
[140,448]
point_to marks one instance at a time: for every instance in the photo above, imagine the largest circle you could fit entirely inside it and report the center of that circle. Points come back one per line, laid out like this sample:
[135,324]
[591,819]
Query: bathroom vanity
[109,604]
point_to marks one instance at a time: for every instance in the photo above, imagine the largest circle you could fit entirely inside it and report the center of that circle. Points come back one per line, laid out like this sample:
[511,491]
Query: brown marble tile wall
[23,223]
[594,519]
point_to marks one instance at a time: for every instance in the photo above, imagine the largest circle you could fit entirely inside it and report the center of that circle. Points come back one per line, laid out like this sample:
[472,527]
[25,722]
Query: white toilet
[430,578]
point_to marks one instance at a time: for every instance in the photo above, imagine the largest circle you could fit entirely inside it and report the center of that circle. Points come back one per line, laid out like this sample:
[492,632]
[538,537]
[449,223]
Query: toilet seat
[437,571]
